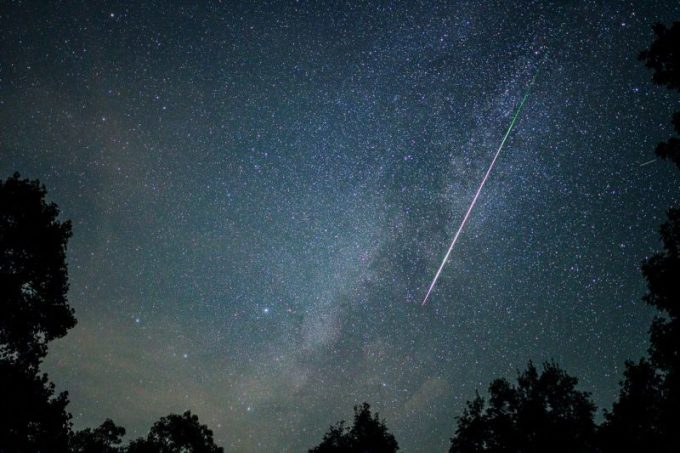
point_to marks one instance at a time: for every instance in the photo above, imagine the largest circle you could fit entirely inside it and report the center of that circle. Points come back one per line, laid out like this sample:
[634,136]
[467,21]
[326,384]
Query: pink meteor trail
[479,190]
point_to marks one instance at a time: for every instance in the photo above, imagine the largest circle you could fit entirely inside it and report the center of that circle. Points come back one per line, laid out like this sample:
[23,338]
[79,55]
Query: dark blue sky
[261,195]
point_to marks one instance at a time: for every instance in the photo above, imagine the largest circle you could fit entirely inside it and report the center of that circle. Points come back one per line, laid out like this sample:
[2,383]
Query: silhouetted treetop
[645,417]
[176,434]
[32,417]
[670,149]
[106,438]
[368,434]
[663,269]
[662,272]
[543,412]
[663,56]
[33,274]
[633,423]
[33,311]
[336,439]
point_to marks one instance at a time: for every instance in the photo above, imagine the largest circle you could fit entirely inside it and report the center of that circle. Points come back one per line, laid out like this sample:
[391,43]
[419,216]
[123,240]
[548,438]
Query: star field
[261,193]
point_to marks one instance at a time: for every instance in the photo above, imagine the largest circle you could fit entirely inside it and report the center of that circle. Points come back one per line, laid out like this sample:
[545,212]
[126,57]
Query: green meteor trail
[479,190]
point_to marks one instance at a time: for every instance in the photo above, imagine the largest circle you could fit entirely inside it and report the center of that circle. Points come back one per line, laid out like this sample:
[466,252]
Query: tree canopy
[106,438]
[32,417]
[662,272]
[176,434]
[663,57]
[33,274]
[33,311]
[542,412]
[368,434]
[645,415]
[633,422]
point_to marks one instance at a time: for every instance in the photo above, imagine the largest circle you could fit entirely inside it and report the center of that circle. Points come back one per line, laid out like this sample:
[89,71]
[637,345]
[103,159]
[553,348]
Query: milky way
[259,195]
[479,191]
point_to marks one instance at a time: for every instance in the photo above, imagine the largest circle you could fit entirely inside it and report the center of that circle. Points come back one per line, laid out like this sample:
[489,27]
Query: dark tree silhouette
[543,412]
[368,434]
[33,275]
[106,438]
[647,410]
[176,434]
[32,418]
[670,149]
[33,311]
[663,57]
[633,423]
[662,272]
[337,439]
[645,417]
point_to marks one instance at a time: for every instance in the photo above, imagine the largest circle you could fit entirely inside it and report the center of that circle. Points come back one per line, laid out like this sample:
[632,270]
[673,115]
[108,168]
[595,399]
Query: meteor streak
[479,190]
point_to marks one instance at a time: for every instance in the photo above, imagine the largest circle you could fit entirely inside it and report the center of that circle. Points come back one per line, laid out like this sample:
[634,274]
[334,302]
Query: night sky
[262,192]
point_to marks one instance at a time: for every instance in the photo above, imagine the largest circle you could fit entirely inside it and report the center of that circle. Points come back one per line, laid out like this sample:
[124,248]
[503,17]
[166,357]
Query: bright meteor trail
[479,190]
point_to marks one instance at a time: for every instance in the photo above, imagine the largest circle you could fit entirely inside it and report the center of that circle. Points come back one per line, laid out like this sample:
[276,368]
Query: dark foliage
[106,438]
[663,57]
[33,275]
[662,272]
[32,418]
[645,416]
[368,434]
[176,434]
[646,413]
[670,149]
[337,439]
[33,311]
[634,421]
[543,412]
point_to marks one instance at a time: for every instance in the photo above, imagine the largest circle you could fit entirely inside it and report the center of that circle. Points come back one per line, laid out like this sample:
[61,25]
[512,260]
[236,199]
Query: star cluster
[261,193]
